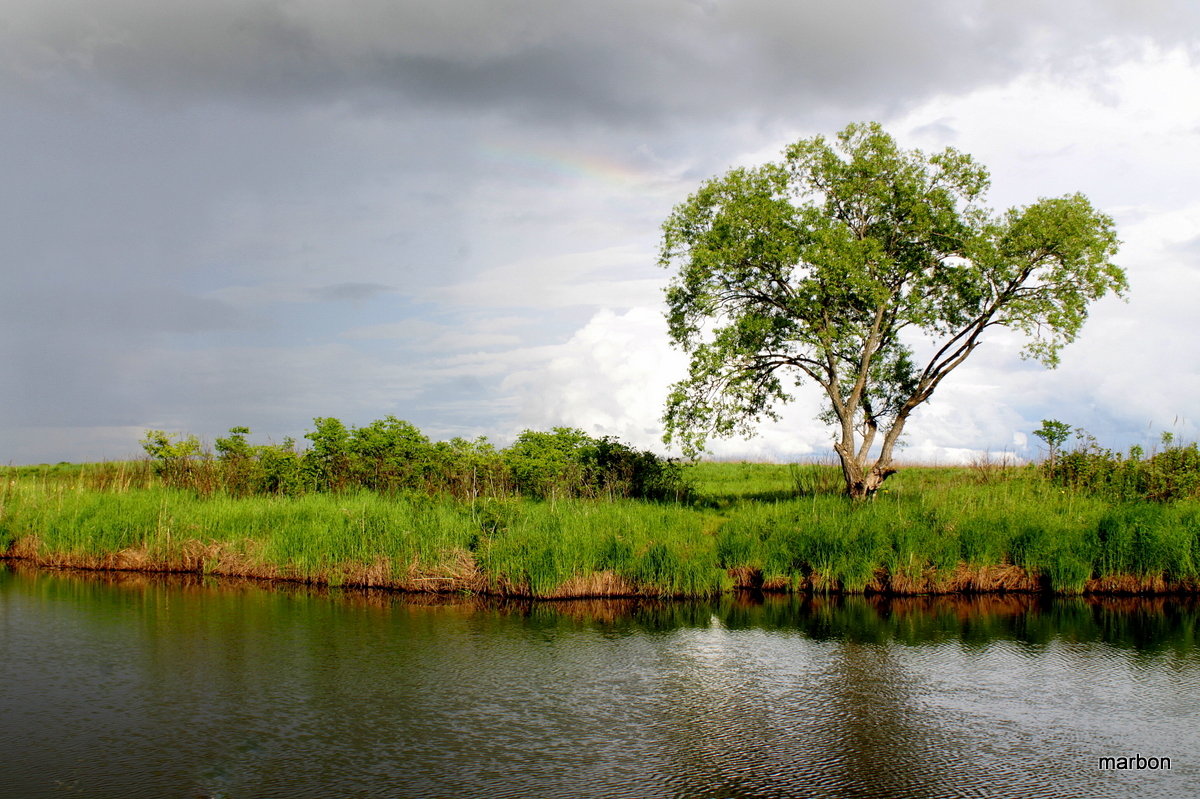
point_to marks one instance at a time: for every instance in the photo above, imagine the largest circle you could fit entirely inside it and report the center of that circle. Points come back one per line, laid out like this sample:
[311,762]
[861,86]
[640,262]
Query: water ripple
[160,691]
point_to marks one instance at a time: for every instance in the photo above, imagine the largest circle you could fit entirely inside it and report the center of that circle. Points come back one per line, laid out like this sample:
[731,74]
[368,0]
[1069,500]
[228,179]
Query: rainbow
[564,163]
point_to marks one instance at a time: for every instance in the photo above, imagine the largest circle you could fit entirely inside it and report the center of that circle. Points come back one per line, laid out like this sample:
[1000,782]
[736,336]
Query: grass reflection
[1149,625]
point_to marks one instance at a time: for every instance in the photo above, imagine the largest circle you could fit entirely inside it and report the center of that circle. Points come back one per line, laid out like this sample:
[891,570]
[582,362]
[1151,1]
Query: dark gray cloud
[72,353]
[132,309]
[645,61]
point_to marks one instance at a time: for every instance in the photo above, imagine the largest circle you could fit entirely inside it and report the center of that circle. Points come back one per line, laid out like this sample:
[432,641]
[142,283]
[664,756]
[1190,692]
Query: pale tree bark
[862,481]
[864,477]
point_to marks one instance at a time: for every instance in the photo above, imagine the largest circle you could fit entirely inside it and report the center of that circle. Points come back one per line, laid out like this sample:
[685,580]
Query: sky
[258,212]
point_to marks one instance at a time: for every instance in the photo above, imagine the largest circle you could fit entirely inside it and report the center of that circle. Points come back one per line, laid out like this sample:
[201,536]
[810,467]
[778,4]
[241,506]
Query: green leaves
[1055,434]
[163,447]
[1053,257]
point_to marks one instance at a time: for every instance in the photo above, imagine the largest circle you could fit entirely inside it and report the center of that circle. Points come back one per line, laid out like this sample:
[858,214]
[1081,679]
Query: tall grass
[314,537]
[754,525]
[592,547]
[405,540]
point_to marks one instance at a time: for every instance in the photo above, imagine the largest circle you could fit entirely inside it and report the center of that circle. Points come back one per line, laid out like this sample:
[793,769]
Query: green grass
[934,519]
[307,536]
[723,484]
[542,546]
[772,523]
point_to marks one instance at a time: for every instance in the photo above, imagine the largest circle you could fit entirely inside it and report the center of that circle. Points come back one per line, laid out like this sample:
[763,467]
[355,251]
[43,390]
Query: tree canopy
[834,264]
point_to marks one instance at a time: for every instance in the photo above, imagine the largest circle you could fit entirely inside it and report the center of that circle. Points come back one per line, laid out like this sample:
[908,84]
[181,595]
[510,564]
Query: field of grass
[767,526]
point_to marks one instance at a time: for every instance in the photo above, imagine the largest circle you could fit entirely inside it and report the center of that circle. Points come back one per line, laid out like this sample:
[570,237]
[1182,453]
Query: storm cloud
[261,211]
[621,62]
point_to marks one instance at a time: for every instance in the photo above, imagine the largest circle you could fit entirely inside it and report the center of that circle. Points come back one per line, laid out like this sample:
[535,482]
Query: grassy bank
[934,530]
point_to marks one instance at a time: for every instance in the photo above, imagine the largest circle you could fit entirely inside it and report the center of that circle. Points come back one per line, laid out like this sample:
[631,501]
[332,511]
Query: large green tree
[839,263]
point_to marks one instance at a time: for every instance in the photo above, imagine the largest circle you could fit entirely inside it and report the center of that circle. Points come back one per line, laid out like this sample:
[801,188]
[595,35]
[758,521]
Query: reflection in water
[139,685]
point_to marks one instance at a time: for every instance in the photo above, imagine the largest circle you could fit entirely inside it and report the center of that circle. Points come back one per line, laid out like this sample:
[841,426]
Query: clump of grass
[823,543]
[942,535]
[1149,540]
[598,548]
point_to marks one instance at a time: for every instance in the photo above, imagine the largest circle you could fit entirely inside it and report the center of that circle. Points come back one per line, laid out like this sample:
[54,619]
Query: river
[158,686]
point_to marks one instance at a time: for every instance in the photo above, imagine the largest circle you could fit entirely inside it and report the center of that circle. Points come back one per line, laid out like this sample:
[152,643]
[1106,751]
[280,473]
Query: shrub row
[390,455]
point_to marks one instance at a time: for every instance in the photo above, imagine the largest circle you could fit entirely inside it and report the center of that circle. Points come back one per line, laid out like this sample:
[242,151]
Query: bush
[327,462]
[567,462]
[469,469]
[174,456]
[390,454]
[1166,476]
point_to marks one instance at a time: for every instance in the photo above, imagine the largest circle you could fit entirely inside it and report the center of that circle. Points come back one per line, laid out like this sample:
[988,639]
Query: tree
[833,265]
[1055,434]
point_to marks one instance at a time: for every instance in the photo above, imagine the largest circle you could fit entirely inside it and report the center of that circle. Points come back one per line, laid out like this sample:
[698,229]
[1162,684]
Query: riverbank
[757,526]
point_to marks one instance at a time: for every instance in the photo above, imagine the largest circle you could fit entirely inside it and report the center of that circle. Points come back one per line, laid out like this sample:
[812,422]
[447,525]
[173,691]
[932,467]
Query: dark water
[154,687]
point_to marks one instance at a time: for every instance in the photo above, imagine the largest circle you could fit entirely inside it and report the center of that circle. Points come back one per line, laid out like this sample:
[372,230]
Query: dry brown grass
[461,574]
[1130,584]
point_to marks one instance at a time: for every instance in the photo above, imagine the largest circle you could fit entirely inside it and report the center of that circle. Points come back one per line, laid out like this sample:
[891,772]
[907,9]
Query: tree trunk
[862,483]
